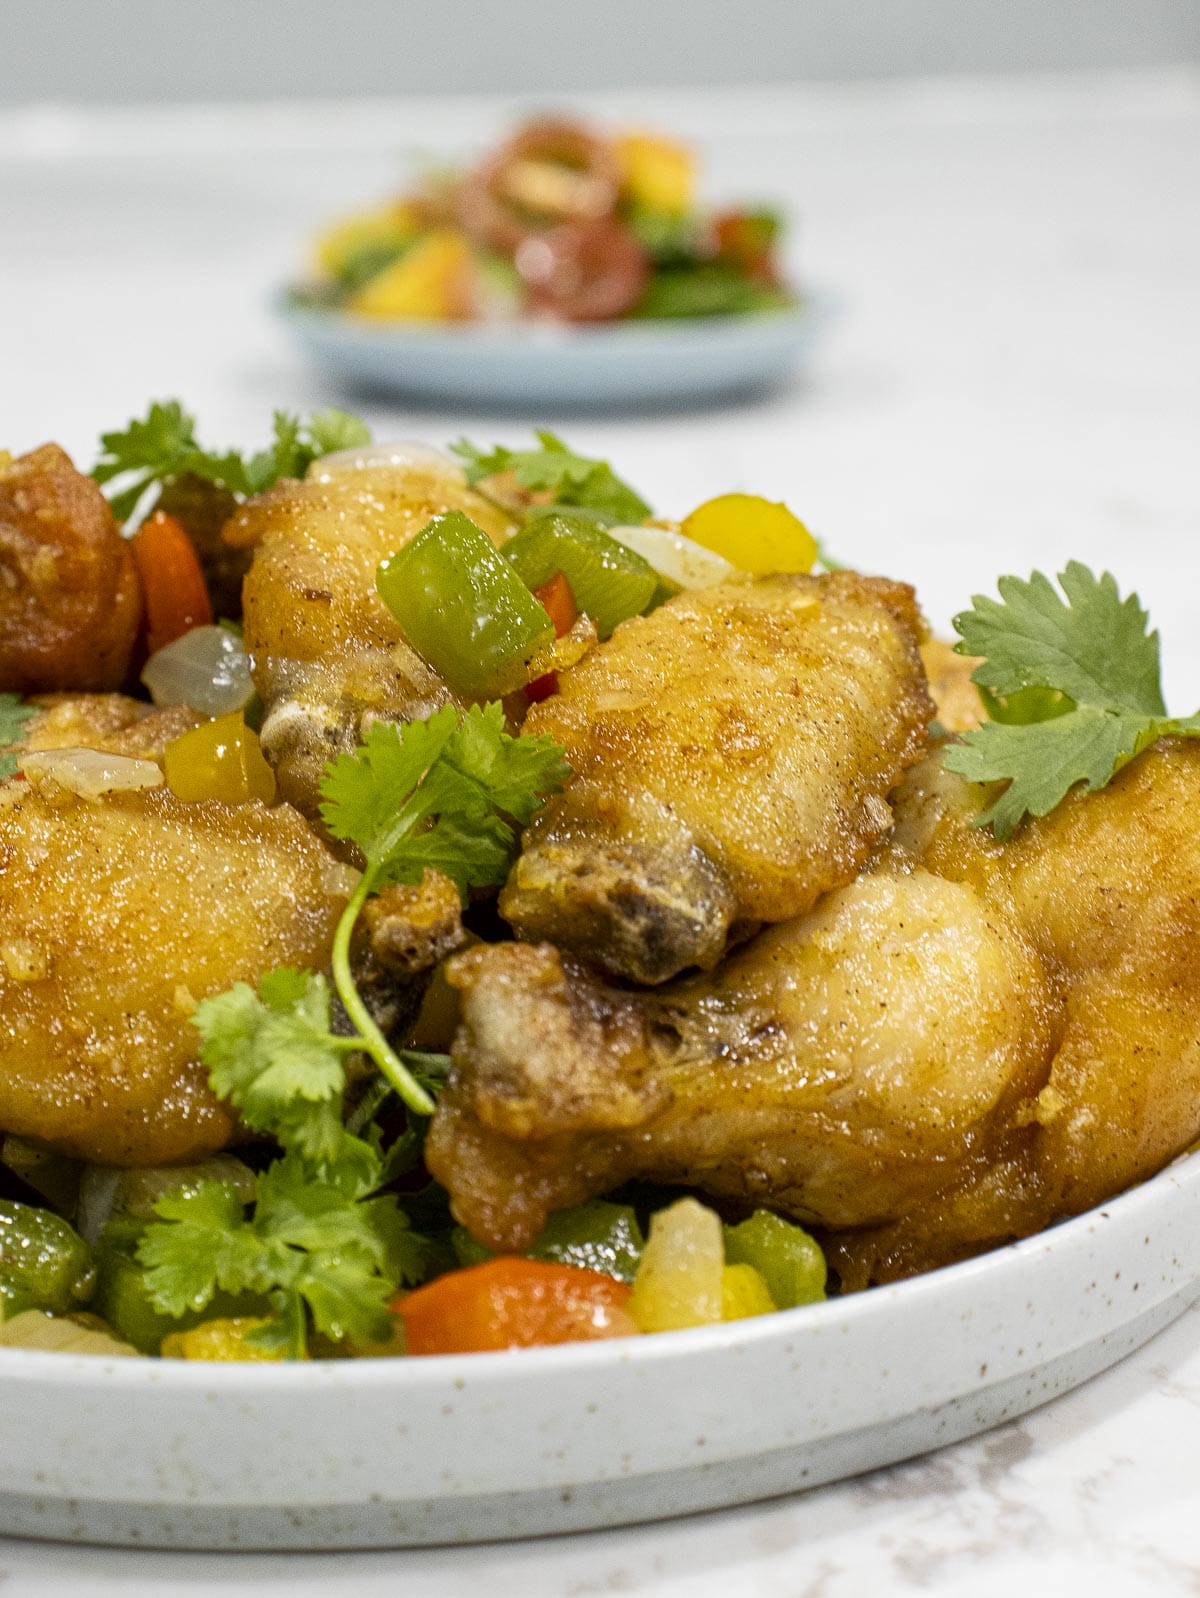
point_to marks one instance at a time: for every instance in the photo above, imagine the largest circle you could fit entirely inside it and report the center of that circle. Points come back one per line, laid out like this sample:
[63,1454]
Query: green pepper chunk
[464,609]
[610,582]
[43,1257]
[783,1254]
[596,1236]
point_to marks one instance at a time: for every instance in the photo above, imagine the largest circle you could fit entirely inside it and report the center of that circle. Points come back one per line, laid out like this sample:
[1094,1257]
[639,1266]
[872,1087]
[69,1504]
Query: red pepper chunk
[173,587]
[513,1303]
[559,603]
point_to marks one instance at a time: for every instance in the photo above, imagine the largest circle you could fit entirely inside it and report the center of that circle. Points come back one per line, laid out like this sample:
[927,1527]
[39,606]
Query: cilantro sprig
[321,1239]
[446,793]
[323,1243]
[1072,686]
[576,481]
[14,713]
[162,446]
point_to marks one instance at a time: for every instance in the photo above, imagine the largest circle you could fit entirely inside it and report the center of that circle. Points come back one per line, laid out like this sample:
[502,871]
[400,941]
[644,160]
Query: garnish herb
[14,713]
[162,447]
[445,793]
[574,480]
[321,1236]
[1073,690]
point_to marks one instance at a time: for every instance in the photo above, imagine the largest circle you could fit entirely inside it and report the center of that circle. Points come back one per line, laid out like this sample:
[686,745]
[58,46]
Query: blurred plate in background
[537,365]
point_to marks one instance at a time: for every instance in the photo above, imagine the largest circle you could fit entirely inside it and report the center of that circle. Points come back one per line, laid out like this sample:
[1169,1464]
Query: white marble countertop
[1014,380]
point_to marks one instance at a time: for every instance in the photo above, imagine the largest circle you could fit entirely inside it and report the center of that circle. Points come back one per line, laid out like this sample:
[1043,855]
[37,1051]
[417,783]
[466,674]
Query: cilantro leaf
[308,1245]
[574,480]
[273,1057]
[204,1247]
[13,716]
[162,447]
[437,793]
[1094,647]
[1072,687]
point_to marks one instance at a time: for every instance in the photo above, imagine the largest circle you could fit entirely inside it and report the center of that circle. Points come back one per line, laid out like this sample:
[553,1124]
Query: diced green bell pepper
[43,1257]
[596,1236]
[784,1255]
[610,582]
[464,609]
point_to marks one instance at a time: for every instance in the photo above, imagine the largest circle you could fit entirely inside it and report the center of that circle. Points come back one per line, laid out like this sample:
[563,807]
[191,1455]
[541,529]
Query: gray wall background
[131,51]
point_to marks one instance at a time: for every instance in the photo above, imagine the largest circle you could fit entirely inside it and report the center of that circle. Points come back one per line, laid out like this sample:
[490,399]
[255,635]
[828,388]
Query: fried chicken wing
[118,915]
[836,1068]
[732,754]
[1107,890]
[328,657]
[70,601]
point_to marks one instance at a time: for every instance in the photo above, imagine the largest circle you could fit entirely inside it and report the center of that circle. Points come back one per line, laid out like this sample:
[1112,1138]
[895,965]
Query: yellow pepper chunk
[386,225]
[218,1340]
[431,282]
[656,172]
[744,1293]
[679,1279]
[221,759]
[755,534]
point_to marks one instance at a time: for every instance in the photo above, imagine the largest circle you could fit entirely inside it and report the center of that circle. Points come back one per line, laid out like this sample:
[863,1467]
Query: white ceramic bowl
[377,1453]
[538,365]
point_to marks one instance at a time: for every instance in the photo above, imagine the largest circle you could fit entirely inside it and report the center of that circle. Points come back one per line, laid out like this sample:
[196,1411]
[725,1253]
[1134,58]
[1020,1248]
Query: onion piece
[207,669]
[678,559]
[91,773]
[401,452]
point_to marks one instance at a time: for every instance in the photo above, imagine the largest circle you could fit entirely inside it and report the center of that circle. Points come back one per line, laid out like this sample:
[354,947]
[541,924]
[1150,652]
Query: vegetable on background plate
[560,221]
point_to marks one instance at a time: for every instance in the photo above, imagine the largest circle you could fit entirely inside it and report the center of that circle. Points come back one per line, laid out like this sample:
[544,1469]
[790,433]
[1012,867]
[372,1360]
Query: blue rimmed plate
[532,365]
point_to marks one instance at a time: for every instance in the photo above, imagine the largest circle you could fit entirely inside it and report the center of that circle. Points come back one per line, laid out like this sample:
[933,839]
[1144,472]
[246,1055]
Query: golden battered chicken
[70,601]
[732,754]
[956,699]
[328,657]
[837,1068]
[118,914]
[113,723]
[1107,890]
[970,1041]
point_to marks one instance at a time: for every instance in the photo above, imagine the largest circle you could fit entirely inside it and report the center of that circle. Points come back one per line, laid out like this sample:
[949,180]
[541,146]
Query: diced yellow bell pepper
[221,759]
[744,1293]
[348,237]
[431,282]
[656,172]
[219,1340]
[755,534]
[679,1280]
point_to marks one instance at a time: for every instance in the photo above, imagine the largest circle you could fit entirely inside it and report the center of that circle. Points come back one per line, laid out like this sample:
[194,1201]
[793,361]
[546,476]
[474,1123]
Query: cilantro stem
[373,1041]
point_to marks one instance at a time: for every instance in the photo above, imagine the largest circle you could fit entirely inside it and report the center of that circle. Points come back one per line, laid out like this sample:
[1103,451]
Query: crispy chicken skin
[70,602]
[328,657]
[955,697]
[732,755]
[838,1067]
[1107,890]
[117,916]
[112,723]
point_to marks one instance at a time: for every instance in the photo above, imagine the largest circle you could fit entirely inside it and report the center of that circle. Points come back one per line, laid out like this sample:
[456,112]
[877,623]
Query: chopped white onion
[91,773]
[207,669]
[677,558]
[402,452]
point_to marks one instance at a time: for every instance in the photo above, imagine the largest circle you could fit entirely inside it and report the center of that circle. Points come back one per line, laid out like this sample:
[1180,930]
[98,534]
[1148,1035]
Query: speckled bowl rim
[593,1359]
